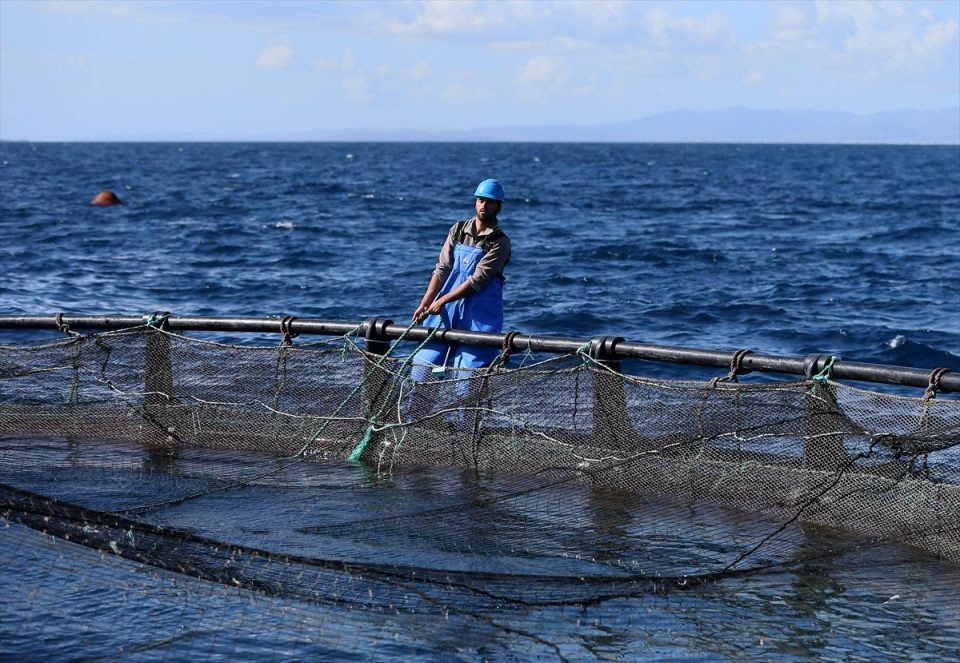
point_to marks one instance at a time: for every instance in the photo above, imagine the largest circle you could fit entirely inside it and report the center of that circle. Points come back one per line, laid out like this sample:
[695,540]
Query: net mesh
[558,483]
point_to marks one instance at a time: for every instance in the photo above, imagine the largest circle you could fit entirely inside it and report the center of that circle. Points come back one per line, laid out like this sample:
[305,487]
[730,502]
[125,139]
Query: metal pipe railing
[615,348]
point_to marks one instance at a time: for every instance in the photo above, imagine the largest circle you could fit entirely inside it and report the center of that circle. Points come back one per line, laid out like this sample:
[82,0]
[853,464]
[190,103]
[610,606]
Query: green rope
[820,379]
[584,353]
[358,451]
[362,445]
[824,375]
[355,332]
[157,321]
[527,354]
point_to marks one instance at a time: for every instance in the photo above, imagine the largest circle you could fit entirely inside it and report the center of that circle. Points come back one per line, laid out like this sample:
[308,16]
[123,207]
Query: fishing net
[490,500]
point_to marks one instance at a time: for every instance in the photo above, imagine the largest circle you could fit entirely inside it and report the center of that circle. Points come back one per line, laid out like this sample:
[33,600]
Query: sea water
[783,249]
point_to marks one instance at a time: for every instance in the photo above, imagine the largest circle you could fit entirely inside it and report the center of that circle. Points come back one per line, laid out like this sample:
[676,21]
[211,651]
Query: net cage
[320,473]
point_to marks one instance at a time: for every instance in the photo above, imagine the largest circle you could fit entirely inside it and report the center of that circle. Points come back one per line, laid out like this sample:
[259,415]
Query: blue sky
[90,70]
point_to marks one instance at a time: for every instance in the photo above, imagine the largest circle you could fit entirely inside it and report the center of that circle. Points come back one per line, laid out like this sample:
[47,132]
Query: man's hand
[434,309]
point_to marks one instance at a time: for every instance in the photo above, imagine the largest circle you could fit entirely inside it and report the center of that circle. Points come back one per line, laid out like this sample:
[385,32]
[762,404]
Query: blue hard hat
[491,189]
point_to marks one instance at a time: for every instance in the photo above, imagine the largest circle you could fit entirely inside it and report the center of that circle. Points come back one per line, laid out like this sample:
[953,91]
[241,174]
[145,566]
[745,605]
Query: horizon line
[455,141]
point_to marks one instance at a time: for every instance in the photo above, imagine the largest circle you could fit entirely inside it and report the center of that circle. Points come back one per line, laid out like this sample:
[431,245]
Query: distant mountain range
[733,125]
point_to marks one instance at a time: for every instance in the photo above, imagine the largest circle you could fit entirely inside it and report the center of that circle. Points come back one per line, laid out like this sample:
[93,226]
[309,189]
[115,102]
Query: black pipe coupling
[375,334]
[603,350]
[814,364]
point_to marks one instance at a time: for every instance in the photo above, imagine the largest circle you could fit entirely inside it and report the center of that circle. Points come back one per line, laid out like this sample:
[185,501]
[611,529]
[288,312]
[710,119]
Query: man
[466,288]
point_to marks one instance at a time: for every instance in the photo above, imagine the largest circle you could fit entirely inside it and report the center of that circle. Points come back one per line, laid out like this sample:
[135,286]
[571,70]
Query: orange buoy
[106,198]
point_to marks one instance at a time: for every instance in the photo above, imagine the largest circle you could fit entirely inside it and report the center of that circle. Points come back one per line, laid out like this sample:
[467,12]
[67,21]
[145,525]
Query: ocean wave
[786,250]
[902,351]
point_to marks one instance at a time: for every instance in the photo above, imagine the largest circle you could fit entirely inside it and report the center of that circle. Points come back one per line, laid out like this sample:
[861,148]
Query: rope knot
[158,320]
[824,374]
[506,349]
[933,385]
[736,365]
[286,330]
[64,327]
[812,363]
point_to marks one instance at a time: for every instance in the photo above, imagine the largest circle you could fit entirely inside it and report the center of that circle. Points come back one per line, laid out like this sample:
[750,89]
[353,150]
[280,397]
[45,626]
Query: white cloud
[544,77]
[362,83]
[90,8]
[668,31]
[358,88]
[458,90]
[417,72]
[326,64]
[449,17]
[347,61]
[277,56]
[860,39]
[542,69]
[559,44]
[940,35]
[648,54]
[754,77]
[601,15]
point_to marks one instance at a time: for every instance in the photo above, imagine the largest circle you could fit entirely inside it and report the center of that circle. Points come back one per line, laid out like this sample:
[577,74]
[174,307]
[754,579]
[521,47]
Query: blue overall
[481,311]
